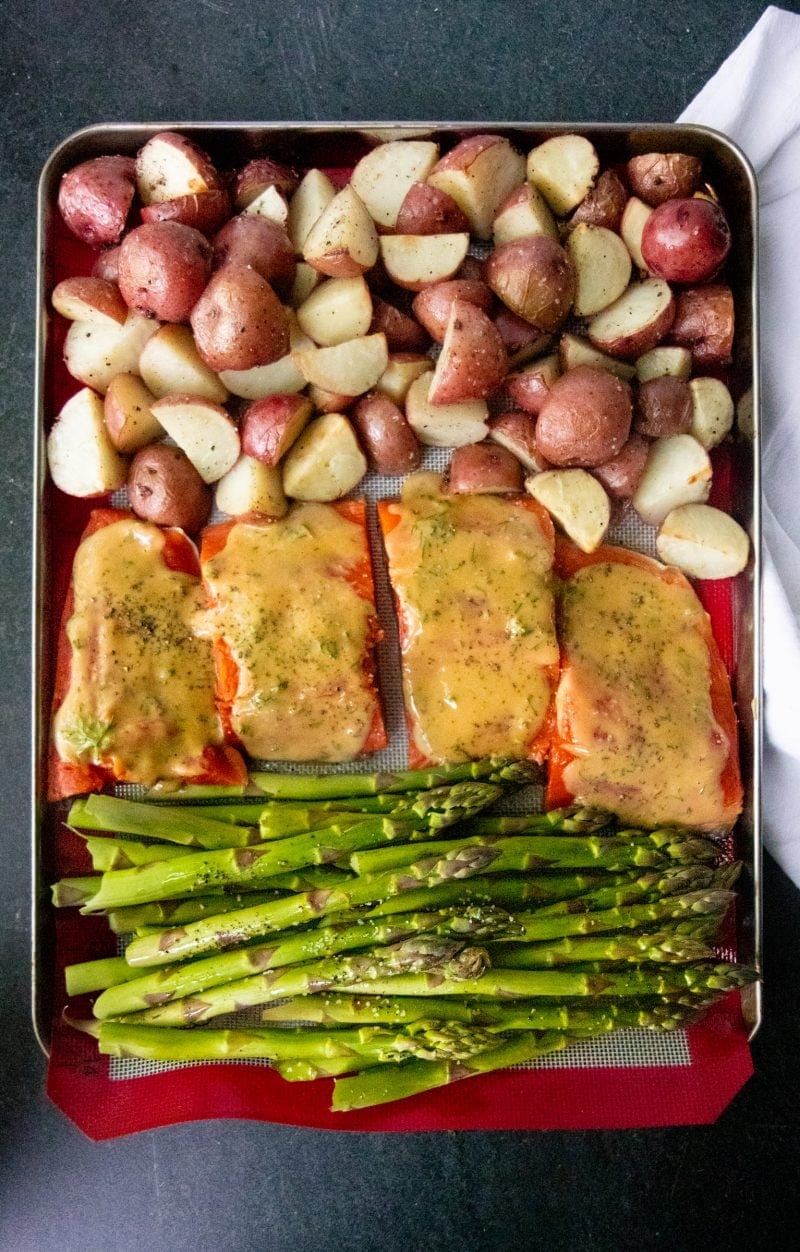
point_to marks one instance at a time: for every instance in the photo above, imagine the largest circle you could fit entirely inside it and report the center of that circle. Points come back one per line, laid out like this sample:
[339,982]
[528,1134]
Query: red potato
[260,174]
[427,210]
[107,266]
[170,166]
[658,176]
[663,408]
[444,425]
[337,310]
[602,267]
[385,435]
[686,241]
[95,352]
[418,261]
[169,363]
[704,323]
[403,334]
[484,469]
[324,401]
[251,488]
[126,412]
[80,455]
[432,306]
[634,219]
[586,418]
[89,300]
[479,173]
[343,242]
[270,205]
[314,193]
[517,433]
[473,360]
[574,351]
[204,211]
[534,278]
[522,341]
[528,388]
[163,269]
[95,198]
[326,462]
[383,177]
[636,322]
[271,425]
[525,212]
[402,369]
[604,204]
[347,369]
[204,430]
[239,322]
[259,243]
[164,487]
[564,169]
[622,474]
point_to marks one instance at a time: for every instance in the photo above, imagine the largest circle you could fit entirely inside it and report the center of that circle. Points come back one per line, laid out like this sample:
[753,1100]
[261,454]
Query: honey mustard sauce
[634,698]
[298,633]
[140,697]
[473,577]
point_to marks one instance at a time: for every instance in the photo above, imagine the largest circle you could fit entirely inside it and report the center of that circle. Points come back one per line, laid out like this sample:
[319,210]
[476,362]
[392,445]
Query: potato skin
[385,435]
[622,474]
[403,333]
[203,210]
[239,322]
[659,176]
[517,433]
[484,468]
[165,488]
[95,198]
[603,205]
[428,211]
[163,268]
[107,266]
[534,278]
[586,418]
[663,408]
[686,241]
[704,323]
[530,387]
[259,243]
[432,306]
[260,174]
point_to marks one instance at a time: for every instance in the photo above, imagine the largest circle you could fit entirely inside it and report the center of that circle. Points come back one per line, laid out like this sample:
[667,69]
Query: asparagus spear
[686,981]
[89,976]
[336,786]
[158,821]
[68,892]
[544,925]
[433,809]
[435,955]
[161,913]
[648,887]
[489,853]
[431,1040]
[660,947]
[108,853]
[174,982]
[386,1083]
[320,1067]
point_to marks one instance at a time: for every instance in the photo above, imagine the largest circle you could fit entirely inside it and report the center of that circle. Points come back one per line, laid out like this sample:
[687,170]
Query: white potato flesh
[712,411]
[634,220]
[251,487]
[203,430]
[169,167]
[417,261]
[677,472]
[170,364]
[564,169]
[525,214]
[82,459]
[664,363]
[574,351]
[305,280]
[271,205]
[325,462]
[89,300]
[398,376]
[382,178]
[128,417]
[703,541]
[745,415]
[602,267]
[336,310]
[640,315]
[95,353]
[307,205]
[576,501]
[480,186]
[348,368]
[444,425]
[343,241]
[281,377]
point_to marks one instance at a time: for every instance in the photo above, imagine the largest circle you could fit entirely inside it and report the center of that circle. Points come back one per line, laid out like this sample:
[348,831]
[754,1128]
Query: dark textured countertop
[236,1185]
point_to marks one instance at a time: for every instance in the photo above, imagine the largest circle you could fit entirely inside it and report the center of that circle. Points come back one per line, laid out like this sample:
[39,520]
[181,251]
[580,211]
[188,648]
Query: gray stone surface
[239,1186]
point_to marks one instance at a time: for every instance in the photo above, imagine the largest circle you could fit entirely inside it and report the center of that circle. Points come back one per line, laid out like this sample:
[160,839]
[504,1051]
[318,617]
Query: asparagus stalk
[320,1067]
[686,981]
[662,947]
[69,892]
[162,913]
[109,854]
[489,853]
[173,982]
[337,786]
[434,809]
[645,888]
[89,976]
[344,1009]
[540,925]
[158,821]
[386,1083]
[437,956]
[430,1040]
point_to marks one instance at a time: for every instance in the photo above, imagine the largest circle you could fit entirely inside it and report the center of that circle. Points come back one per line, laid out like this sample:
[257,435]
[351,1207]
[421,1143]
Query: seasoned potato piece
[528,388]
[307,205]
[82,459]
[349,368]
[390,443]
[444,425]
[663,361]
[128,418]
[89,300]
[250,486]
[473,361]
[260,243]
[635,322]
[534,278]
[604,204]
[622,474]
[239,322]
[164,487]
[204,211]
[577,502]
[703,541]
[704,323]
[602,267]
[432,306]
[517,433]
[428,211]
[574,351]
[678,471]
[170,363]
[402,369]
[94,354]
[258,176]
[634,219]
[524,212]
[271,425]
[203,430]
[418,261]
[384,176]
[659,176]
[686,241]
[479,173]
[564,169]
[95,198]
[170,165]
[336,310]
[586,418]
[326,462]
[663,408]
[711,411]
[484,468]
[163,268]
[343,241]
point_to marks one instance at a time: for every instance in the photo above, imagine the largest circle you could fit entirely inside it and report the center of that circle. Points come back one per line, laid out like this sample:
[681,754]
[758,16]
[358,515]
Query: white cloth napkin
[755,99]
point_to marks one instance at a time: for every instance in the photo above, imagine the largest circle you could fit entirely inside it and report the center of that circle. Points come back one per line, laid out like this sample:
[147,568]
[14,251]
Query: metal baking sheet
[337,145]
